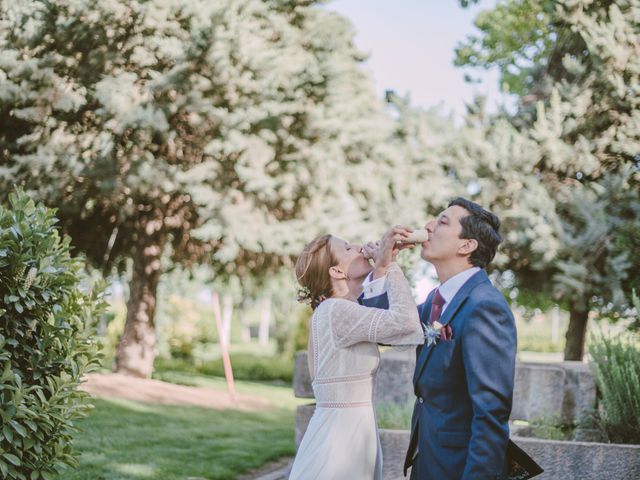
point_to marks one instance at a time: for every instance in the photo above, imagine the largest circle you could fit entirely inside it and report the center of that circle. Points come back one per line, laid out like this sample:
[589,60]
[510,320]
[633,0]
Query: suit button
[420,399]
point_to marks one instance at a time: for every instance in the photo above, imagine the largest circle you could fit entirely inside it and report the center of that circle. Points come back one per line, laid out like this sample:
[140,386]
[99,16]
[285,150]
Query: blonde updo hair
[312,271]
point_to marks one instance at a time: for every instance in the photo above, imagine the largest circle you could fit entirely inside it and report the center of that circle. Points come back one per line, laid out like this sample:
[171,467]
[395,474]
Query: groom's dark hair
[480,225]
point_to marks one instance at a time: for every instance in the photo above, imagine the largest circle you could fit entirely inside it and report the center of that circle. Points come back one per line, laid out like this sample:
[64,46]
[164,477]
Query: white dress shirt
[448,290]
[372,288]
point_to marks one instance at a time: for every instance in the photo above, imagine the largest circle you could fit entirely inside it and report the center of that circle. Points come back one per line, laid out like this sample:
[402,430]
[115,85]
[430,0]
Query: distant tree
[577,89]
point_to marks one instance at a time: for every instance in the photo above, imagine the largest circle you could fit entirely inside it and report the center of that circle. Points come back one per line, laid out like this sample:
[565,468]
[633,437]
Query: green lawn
[123,439]
[280,395]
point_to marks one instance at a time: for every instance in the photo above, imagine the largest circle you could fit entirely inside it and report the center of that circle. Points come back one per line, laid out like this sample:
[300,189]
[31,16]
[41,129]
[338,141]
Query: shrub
[635,302]
[394,416]
[550,427]
[300,337]
[46,342]
[245,367]
[254,367]
[616,365]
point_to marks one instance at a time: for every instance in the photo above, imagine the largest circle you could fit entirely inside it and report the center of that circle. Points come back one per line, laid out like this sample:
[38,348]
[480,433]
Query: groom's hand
[387,249]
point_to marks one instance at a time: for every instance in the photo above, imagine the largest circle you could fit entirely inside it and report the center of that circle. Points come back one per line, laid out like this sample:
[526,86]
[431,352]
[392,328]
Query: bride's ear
[337,273]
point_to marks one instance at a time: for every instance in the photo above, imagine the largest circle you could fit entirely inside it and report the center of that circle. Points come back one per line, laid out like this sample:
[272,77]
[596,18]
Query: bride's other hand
[369,250]
[388,247]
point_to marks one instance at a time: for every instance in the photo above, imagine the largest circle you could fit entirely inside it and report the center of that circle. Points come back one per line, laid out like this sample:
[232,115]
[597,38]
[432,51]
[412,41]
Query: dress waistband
[347,379]
[343,404]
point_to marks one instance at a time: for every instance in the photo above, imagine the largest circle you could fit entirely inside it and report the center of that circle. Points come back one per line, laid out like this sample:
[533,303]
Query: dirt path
[113,385]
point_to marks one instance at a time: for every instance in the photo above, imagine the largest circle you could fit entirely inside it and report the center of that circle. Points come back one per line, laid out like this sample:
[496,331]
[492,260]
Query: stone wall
[561,391]
[560,460]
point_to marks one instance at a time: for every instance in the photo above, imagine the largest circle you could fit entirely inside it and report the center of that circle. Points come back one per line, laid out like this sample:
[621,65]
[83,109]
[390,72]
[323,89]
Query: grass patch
[393,416]
[126,440]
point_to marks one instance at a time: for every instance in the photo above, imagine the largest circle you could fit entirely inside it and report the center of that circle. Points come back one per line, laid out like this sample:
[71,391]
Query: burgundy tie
[436,307]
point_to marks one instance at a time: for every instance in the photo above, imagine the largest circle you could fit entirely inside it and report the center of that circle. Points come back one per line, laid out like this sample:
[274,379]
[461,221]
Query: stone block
[559,459]
[579,391]
[538,391]
[583,460]
[301,377]
[394,447]
[394,379]
[303,416]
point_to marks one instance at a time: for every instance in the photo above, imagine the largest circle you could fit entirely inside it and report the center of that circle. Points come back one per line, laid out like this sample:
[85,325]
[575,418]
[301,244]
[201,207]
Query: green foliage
[562,170]
[300,340]
[591,263]
[47,342]
[394,416]
[234,130]
[517,37]
[636,305]
[253,367]
[616,364]
[532,300]
[227,133]
[245,367]
[628,240]
[549,427]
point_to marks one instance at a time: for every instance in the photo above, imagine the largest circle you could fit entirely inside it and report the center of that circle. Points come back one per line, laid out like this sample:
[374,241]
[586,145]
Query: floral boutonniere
[436,331]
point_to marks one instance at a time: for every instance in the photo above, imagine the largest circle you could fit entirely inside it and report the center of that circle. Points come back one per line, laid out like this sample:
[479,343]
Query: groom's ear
[337,273]
[468,247]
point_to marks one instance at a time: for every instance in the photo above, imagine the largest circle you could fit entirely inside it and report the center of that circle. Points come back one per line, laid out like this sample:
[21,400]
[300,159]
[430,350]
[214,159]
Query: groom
[464,372]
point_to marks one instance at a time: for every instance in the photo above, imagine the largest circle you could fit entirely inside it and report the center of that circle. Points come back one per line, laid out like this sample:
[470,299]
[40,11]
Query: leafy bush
[550,427]
[46,342]
[253,367]
[245,367]
[616,364]
[635,302]
[300,336]
[394,416]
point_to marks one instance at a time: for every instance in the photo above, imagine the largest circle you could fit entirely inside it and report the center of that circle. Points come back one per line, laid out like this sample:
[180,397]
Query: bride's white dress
[341,441]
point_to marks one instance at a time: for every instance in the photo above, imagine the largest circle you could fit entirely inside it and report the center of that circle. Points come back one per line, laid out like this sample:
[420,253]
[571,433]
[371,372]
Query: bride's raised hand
[389,246]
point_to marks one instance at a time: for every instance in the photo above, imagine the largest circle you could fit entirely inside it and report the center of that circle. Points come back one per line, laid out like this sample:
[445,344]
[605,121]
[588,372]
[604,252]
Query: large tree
[189,131]
[575,69]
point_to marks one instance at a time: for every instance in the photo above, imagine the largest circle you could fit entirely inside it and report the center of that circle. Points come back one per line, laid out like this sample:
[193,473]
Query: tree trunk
[265,319]
[576,333]
[227,313]
[555,324]
[245,334]
[136,350]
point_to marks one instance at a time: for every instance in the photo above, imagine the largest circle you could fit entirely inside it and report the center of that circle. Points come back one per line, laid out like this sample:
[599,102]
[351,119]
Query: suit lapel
[426,307]
[456,302]
[423,349]
[461,296]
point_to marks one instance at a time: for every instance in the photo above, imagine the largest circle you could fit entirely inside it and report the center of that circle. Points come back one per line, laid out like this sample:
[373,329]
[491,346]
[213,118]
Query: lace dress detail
[342,439]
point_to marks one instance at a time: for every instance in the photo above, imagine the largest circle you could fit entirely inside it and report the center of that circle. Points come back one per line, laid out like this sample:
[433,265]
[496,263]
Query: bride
[341,441]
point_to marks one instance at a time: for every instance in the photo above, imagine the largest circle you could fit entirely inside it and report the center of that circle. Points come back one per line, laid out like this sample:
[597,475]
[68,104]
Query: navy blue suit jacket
[464,387]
